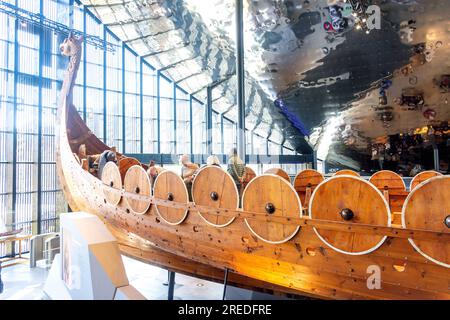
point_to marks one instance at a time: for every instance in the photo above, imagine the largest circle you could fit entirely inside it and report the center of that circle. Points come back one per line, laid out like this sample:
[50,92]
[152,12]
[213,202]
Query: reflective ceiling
[341,73]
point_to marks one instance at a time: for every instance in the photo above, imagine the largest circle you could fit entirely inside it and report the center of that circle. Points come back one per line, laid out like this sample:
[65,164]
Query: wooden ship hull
[269,243]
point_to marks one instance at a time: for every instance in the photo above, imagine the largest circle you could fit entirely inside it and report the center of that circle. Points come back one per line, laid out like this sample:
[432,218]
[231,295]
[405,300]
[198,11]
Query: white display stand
[90,266]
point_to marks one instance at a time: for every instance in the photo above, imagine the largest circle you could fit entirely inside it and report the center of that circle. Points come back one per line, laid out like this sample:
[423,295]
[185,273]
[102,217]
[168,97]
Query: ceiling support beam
[212,84]
[240,79]
[91,5]
[188,77]
[144,37]
[131,21]
[155,53]
[172,65]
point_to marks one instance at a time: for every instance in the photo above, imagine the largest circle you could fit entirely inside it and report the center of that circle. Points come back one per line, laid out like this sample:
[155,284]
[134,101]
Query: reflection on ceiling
[343,73]
[174,38]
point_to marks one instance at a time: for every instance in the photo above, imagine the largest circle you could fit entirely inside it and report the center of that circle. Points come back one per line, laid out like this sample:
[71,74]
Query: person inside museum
[236,168]
[82,152]
[83,157]
[213,160]
[188,171]
[105,157]
[153,171]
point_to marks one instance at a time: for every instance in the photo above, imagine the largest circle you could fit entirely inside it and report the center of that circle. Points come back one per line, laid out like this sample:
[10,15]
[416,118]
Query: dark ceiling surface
[314,68]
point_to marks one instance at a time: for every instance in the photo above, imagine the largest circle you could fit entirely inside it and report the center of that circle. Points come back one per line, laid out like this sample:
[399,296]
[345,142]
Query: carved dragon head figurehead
[71,46]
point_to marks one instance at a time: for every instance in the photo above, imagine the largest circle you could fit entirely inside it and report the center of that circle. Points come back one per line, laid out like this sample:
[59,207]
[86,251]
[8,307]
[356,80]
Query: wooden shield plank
[111,178]
[346,172]
[271,194]
[423,176]
[393,188]
[387,180]
[350,200]
[126,163]
[215,188]
[427,207]
[305,182]
[137,181]
[279,172]
[169,186]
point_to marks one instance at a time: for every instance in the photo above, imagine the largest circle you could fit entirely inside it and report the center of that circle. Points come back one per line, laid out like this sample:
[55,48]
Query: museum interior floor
[22,283]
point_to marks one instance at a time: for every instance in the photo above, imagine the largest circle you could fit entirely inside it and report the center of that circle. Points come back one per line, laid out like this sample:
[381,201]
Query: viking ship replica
[340,238]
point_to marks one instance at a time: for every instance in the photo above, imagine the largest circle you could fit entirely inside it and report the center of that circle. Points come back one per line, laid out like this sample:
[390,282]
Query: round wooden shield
[169,186]
[427,207]
[350,200]
[125,164]
[279,172]
[137,181]
[305,182]
[423,176]
[387,180]
[346,173]
[111,178]
[215,188]
[271,194]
